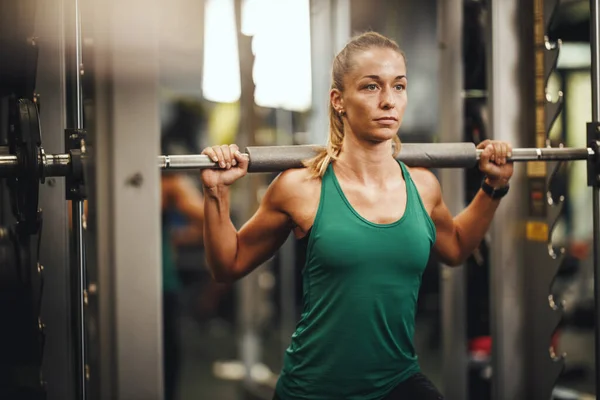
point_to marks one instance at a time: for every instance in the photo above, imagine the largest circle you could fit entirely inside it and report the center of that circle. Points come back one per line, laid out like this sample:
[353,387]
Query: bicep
[446,244]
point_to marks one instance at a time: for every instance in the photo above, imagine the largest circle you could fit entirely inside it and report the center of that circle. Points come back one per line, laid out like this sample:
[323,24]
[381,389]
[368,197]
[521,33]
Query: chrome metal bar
[79,264]
[8,166]
[548,154]
[280,158]
[57,165]
[271,159]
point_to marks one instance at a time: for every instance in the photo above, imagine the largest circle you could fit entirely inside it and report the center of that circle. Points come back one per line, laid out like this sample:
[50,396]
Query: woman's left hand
[493,163]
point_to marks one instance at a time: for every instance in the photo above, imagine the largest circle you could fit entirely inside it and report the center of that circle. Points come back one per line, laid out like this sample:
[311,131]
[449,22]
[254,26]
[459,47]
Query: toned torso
[380,204]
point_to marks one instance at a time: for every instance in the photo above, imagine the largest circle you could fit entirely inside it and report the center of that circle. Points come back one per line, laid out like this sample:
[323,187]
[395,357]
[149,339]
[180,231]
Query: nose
[387,100]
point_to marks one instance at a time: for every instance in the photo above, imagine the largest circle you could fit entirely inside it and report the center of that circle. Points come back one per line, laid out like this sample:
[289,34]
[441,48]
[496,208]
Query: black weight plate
[25,141]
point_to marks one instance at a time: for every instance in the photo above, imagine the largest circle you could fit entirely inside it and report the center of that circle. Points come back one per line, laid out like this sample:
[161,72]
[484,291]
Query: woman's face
[374,97]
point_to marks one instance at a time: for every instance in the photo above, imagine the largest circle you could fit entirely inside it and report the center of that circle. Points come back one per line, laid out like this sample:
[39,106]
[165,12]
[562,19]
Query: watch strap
[494,193]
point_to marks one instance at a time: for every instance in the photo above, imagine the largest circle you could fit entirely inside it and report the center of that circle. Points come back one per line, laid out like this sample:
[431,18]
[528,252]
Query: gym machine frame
[593,136]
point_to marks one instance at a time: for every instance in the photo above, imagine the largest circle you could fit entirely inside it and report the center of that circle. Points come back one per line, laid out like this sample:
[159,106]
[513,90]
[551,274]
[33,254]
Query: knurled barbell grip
[427,155]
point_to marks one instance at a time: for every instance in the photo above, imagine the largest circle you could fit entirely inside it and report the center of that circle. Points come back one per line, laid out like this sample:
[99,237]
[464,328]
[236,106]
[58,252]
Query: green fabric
[361,281]
[169,273]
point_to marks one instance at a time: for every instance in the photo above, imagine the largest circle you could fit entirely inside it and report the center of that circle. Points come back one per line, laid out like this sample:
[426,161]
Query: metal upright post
[59,360]
[123,229]
[453,298]
[509,113]
[329,19]
[249,342]
[78,262]
[595,76]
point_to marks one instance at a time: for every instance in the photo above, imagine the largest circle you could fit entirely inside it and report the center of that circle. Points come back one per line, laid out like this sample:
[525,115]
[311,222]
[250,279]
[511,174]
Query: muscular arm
[458,237]
[231,254]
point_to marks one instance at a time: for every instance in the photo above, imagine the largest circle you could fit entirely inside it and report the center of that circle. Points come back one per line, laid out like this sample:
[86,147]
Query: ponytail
[318,164]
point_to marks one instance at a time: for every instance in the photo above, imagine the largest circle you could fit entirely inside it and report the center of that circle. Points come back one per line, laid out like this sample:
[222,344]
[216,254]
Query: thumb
[485,156]
[242,159]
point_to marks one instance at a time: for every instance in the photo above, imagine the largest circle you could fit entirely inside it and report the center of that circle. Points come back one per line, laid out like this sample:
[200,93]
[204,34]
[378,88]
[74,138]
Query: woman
[369,222]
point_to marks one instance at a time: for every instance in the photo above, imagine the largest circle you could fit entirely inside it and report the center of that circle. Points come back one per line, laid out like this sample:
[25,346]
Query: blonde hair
[342,64]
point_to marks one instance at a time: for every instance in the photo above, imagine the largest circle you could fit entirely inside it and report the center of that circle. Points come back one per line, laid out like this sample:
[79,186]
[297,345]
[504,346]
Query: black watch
[493,192]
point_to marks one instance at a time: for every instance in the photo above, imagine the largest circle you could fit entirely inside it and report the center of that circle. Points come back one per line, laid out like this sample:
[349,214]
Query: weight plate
[25,142]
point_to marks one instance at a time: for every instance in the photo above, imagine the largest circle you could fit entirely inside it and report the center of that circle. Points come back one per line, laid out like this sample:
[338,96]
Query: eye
[400,87]
[371,86]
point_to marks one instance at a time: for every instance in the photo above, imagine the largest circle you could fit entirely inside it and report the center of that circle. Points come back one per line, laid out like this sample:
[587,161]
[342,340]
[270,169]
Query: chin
[382,135]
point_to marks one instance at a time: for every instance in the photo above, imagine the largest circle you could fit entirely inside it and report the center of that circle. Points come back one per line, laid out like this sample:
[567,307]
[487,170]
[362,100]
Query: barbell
[280,158]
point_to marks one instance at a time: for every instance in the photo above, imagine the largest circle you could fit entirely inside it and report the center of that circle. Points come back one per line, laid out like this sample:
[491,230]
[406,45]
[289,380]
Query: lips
[387,121]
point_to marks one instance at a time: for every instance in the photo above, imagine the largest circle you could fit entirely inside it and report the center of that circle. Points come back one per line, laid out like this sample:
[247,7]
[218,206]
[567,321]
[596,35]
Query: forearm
[220,235]
[473,222]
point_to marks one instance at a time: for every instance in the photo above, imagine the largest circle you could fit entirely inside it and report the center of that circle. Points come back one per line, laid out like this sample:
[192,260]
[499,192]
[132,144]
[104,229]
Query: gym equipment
[25,143]
[546,364]
[280,158]
[22,339]
[21,275]
[593,133]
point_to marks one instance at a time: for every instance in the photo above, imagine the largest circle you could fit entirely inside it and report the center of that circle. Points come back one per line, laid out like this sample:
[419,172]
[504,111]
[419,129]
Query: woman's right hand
[233,165]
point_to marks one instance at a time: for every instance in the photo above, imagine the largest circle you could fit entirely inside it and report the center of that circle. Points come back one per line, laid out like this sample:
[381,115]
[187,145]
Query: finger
[226,155]
[241,159]
[483,144]
[484,158]
[502,153]
[219,153]
[210,152]
[498,153]
[491,150]
[233,148]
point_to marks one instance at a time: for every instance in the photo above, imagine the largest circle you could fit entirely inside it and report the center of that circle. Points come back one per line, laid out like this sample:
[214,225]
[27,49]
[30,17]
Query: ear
[335,96]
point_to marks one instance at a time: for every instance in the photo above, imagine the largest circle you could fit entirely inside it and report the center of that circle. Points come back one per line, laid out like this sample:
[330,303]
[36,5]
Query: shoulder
[293,184]
[427,184]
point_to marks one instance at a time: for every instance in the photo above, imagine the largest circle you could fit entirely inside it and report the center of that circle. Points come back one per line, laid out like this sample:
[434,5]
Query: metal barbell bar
[280,158]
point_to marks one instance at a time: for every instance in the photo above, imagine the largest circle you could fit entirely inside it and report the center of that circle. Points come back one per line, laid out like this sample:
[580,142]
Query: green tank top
[361,281]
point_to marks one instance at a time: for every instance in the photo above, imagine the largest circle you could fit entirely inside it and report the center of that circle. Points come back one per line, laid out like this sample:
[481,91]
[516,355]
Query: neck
[368,162]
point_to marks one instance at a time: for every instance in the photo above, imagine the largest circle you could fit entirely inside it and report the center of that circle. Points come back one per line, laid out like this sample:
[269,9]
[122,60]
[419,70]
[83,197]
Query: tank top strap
[414,198]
